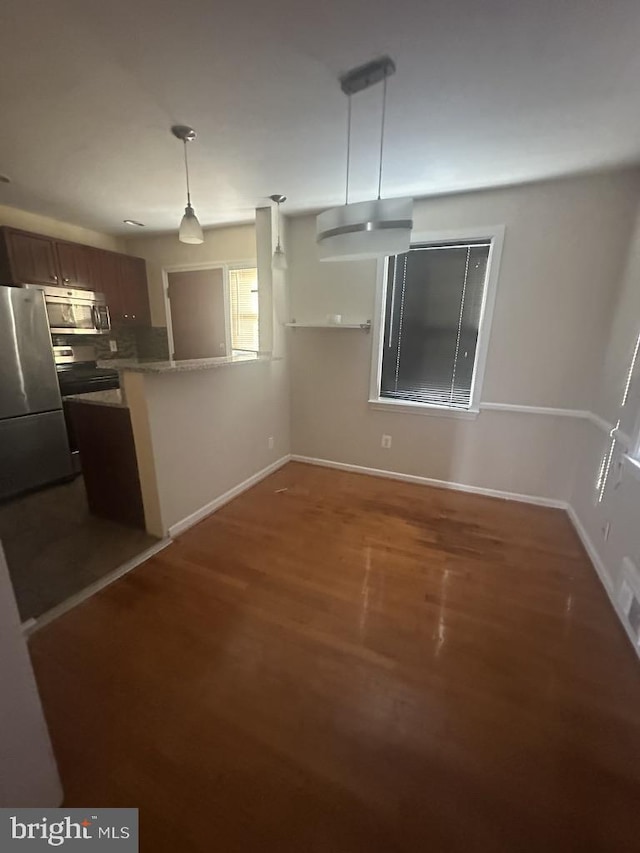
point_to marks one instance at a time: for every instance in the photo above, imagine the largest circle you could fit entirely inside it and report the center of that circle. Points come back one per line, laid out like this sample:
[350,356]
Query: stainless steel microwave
[75,312]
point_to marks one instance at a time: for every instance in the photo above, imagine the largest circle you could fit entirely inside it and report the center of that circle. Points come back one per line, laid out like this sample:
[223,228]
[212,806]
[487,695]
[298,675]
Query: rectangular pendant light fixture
[367,229]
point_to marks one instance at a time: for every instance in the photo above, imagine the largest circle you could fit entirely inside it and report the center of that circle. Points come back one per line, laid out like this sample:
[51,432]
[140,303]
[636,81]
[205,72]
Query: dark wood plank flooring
[354,664]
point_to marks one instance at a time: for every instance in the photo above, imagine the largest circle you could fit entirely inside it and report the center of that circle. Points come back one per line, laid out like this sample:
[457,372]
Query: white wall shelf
[364,327]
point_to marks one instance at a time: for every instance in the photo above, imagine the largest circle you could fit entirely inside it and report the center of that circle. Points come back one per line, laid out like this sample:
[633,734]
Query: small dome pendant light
[190,229]
[279,260]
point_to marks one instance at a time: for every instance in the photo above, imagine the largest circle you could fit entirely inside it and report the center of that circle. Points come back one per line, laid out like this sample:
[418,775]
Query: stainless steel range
[79,374]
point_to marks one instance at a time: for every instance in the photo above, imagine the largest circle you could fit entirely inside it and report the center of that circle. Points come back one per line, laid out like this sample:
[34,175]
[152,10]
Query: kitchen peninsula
[183,366]
[188,421]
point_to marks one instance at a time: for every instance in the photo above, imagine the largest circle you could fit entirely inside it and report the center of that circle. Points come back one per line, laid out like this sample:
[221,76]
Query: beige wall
[221,245]
[565,245]
[55,228]
[619,508]
[28,774]
[209,431]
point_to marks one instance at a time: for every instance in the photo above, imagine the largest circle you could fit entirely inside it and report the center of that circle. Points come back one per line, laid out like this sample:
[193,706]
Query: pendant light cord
[186,168]
[382,123]
[278,247]
[346,195]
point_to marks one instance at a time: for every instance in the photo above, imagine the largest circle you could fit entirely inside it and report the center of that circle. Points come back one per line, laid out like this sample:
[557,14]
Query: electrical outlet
[113,346]
[386,441]
[270,442]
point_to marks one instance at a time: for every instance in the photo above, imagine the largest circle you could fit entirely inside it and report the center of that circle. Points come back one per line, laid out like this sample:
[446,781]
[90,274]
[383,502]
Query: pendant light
[279,260]
[190,228]
[367,229]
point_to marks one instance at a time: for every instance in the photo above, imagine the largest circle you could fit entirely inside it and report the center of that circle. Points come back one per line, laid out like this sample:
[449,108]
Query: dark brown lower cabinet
[109,465]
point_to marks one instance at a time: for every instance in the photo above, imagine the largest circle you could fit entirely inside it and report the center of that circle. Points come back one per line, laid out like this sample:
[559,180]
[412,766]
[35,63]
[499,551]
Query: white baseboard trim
[589,547]
[32,625]
[180,526]
[429,481]
[602,572]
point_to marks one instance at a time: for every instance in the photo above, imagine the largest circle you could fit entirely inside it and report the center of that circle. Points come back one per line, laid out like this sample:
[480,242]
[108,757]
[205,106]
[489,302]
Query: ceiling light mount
[278,199]
[184,132]
[134,222]
[367,75]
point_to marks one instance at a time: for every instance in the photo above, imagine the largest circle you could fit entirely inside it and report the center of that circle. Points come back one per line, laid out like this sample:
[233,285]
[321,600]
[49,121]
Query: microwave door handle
[96,319]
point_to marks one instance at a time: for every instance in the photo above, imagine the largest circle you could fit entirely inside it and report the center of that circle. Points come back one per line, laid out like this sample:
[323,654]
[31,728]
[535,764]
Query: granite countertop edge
[186,366]
[112,398]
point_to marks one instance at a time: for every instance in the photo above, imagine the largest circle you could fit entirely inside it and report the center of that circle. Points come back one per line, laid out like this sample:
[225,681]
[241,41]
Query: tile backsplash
[147,342]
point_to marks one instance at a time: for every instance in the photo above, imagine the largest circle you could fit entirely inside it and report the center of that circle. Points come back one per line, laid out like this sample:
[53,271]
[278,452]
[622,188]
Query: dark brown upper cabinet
[134,295]
[75,265]
[27,258]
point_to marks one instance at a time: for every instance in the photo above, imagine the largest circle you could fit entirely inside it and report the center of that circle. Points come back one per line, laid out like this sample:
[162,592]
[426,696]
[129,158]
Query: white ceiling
[486,93]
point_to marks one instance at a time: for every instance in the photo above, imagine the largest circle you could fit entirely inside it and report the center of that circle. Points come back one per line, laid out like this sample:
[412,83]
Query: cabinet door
[75,265]
[32,258]
[106,279]
[134,294]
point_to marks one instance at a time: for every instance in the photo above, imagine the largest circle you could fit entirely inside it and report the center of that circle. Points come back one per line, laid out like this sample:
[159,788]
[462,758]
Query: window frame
[227,308]
[495,235]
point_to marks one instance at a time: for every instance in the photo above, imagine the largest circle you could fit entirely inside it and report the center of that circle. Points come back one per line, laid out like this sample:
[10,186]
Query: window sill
[407,408]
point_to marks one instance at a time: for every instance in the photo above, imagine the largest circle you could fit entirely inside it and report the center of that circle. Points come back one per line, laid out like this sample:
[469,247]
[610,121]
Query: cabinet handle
[126,315]
[54,277]
[66,280]
[133,316]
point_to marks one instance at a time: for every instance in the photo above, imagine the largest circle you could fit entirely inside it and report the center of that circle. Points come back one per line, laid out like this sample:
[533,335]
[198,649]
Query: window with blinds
[432,320]
[243,301]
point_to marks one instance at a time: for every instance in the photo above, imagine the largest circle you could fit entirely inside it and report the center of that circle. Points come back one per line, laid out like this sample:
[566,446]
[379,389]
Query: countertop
[100,398]
[141,366]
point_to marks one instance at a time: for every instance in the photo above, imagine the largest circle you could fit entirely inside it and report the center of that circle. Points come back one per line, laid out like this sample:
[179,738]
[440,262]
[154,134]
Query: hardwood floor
[334,662]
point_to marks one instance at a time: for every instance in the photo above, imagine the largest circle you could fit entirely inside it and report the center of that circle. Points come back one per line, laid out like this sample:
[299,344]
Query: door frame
[225,266]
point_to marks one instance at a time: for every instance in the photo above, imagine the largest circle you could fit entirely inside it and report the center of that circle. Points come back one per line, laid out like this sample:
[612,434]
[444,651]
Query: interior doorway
[212,311]
[198,306]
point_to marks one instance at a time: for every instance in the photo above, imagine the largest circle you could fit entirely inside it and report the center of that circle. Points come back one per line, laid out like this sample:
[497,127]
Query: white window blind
[432,319]
[243,292]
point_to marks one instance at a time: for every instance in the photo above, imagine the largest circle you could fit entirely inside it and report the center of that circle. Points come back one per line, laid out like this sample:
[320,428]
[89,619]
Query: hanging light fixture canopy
[279,260]
[190,228]
[367,229]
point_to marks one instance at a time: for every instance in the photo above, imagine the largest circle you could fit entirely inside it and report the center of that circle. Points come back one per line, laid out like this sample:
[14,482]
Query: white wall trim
[583,414]
[209,508]
[601,571]
[429,481]
[599,422]
[535,410]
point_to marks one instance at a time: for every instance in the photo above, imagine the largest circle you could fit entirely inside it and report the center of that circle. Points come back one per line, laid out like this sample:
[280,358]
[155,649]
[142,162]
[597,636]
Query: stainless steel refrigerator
[34,449]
